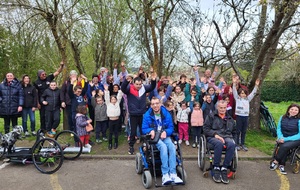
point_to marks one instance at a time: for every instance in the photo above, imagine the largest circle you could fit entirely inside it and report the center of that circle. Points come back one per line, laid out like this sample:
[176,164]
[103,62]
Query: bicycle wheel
[47,156]
[70,143]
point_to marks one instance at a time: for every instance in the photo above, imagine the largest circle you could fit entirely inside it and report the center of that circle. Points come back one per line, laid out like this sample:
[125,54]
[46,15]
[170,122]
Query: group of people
[191,106]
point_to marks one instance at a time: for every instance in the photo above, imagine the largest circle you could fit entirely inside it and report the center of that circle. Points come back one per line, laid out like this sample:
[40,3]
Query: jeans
[101,126]
[284,149]
[241,125]
[218,147]
[167,155]
[196,132]
[25,113]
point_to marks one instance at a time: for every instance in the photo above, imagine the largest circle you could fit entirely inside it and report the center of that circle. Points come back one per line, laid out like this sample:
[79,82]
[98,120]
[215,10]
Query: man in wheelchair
[220,130]
[158,120]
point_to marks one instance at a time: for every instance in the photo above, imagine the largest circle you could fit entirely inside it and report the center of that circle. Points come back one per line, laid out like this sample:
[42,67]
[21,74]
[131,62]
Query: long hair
[287,111]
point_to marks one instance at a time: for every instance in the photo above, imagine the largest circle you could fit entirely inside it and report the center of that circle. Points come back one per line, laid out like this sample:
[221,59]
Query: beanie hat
[40,72]
[73,72]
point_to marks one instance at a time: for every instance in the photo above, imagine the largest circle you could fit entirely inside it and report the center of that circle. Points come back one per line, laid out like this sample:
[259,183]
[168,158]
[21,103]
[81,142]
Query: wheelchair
[205,152]
[293,156]
[267,120]
[148,161]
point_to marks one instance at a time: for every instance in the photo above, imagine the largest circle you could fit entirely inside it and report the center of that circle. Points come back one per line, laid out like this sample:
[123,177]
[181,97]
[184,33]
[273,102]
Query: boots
[116,143]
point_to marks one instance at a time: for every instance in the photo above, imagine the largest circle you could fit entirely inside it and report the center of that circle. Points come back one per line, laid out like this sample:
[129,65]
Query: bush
[280,91]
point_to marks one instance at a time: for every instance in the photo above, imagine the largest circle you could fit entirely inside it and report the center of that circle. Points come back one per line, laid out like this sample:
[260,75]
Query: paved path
[120,174]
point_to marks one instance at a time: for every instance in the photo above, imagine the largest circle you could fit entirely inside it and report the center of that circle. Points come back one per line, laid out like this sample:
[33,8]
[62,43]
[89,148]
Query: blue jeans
[241,125]
[167,155]
[25,113]
[218,147]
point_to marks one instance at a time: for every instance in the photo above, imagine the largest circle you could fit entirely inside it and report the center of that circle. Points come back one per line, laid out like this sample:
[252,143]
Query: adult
[219,128]
[11,101]
[136,97]
[30,105]
[93,85]
[158,119]
[66,100]
[41,84]
[288,136]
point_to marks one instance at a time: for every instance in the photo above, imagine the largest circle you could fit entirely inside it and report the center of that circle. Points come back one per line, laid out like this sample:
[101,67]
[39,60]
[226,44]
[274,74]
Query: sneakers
[244,148]
[130,150]
[53,131]
[88,146]
[238,148]
[176,179]
[281,169]
[273,166]
[166,180]
[27,134]
[98,141]
[194,145]
[187,143]
[33,133]
[180,141]
[104,139]
[50,134]
[224,177]
[217,175]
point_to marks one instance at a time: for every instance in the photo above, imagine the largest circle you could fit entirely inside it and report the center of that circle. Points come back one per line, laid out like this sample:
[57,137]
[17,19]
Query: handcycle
[267,120]
[148,161]
[46,154]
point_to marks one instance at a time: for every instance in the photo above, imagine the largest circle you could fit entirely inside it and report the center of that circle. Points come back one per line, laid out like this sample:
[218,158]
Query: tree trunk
[254,116]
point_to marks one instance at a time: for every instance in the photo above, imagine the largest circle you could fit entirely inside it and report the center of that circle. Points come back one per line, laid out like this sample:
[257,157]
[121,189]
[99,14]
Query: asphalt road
[120,174]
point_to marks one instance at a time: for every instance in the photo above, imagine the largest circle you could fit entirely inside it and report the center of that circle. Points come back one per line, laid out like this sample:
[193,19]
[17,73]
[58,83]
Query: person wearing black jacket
[51,100]
[11,100]
[41,84]
[30,105]
[220,131]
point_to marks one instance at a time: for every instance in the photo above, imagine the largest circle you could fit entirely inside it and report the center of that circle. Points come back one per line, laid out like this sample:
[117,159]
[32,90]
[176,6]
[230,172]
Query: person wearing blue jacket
[288,136]
[158,119]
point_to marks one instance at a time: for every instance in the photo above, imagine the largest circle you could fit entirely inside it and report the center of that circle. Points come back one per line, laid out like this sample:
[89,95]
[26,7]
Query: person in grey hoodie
[242,107]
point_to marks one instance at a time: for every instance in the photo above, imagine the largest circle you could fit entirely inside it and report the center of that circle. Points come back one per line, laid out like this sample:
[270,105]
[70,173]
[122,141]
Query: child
[100,116]
[51,100]
[183,122]
[242,108]
[177,95]
[113,113]
[208,106]
[229,107]
[196,122]
[170,107]
[81,122]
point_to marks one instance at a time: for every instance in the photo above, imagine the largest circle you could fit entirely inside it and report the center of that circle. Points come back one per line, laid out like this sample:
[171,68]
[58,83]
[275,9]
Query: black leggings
[7,119]
[283,150]
[113,129]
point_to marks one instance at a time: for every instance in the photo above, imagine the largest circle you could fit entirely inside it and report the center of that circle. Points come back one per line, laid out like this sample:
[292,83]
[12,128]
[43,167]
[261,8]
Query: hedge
[280,91]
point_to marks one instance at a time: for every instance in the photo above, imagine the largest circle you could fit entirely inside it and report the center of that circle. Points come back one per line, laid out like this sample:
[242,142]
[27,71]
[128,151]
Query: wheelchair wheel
[70,143]
[2,151]
[138,163]
[181,173]
[47,156]
[202,153]
[235,160]
[147,179]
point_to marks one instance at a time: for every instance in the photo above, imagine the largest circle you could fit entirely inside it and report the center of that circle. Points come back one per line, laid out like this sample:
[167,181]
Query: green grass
[262,140]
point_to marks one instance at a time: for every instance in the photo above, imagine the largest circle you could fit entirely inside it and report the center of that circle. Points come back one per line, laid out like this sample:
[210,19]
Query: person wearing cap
[41,84]
[66,100]
[11,101]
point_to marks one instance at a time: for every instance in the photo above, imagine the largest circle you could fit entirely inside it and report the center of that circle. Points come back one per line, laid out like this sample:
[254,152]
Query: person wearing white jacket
[113,114]
[242,108]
